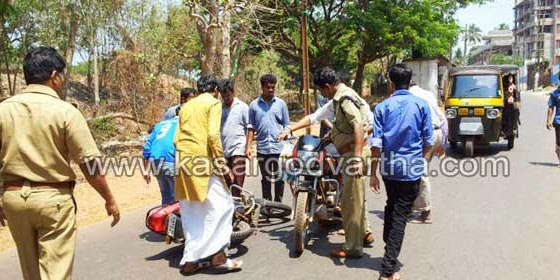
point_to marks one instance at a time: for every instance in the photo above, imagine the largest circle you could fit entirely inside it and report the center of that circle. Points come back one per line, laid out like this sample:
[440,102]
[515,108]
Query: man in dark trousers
[268,116]
[402,136]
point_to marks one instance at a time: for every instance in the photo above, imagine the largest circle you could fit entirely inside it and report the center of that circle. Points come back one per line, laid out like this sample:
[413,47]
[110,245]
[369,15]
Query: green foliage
[103,126]
[266,62]
[503,26]
[81,68]
[505,59]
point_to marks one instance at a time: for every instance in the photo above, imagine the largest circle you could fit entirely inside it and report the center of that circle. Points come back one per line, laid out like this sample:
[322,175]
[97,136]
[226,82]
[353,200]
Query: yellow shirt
[39,135]
[198,144]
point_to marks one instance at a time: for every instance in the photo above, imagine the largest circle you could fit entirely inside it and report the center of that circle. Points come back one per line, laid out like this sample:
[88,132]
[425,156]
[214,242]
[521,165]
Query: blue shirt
[402,127]
[235,120]
[160,143]
[268,119]
[554,101]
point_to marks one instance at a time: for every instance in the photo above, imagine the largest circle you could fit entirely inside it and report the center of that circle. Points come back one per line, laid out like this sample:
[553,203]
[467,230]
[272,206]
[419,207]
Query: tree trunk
[465,44]
[209,54]
[226,41]
[359,80]
[95,77]
[70,47]
[7,64]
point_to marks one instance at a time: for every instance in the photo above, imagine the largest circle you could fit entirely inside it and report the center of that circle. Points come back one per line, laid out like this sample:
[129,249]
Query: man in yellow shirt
[205,201]
[39,135]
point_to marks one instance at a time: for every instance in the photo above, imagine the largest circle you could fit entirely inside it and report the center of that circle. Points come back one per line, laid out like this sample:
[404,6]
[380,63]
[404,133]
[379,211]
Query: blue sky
[487,16]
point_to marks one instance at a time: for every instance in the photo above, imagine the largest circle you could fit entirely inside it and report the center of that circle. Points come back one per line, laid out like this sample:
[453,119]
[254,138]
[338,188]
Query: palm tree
[471,34]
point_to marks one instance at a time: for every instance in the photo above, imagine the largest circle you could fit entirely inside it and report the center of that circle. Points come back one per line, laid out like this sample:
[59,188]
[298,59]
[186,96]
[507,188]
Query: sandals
[226,266]
[194,267]
[395,276]
[369,238]
[230,266]
[342,254]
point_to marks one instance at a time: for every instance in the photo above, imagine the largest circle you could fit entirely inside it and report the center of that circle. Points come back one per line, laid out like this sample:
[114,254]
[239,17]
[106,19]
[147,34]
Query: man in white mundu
[206,204]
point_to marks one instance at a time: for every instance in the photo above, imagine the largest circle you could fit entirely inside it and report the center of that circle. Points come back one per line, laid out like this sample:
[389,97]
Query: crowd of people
[38,181]
[208,128]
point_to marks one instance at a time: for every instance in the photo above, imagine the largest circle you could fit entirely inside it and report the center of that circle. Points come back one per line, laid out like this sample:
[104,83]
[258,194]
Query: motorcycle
[315,186]
[166,220]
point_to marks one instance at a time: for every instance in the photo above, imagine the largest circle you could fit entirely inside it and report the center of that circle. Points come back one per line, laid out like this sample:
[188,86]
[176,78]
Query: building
[537,30]
[495,42]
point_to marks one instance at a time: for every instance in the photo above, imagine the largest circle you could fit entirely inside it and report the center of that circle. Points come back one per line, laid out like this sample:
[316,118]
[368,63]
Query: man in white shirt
[424,201]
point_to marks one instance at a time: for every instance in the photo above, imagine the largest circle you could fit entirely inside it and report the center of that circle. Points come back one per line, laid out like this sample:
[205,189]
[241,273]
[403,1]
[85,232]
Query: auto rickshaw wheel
[469,147]
[511,141]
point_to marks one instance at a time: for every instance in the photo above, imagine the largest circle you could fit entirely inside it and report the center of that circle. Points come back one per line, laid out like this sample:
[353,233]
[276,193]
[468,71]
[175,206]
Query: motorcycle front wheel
[241,231]
[273,209]
[300,222]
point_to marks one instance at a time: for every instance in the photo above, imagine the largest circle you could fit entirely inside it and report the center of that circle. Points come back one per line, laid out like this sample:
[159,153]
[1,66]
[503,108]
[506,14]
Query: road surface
[485,228]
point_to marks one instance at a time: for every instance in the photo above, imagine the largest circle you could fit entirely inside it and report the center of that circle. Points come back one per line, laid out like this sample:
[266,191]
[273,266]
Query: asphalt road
[485,228]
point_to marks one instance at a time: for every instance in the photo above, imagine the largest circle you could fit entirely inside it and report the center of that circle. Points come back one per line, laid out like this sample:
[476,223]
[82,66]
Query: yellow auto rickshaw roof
[484,70]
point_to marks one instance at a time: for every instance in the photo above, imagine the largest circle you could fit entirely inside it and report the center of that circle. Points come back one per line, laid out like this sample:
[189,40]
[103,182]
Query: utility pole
[305,60]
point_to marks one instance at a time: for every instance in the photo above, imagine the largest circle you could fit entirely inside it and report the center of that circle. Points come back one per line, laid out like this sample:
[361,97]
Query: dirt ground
[130,192]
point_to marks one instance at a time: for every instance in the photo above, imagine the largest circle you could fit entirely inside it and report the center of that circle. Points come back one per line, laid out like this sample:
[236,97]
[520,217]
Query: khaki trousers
[353,201]
[43,226]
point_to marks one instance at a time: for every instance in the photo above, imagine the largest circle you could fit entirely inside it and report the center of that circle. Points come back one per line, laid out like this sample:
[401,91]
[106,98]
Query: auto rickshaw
[475,104]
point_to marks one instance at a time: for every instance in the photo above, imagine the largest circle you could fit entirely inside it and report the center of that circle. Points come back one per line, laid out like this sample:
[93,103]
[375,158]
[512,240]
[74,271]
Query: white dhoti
[424,200]
[207,225]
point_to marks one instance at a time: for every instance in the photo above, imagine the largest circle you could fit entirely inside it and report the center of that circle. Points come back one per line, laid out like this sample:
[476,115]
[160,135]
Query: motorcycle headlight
[451,113]
[492,113]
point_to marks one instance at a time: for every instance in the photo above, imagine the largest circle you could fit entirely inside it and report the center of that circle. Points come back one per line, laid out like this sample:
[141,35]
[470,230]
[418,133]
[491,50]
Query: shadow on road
[479,150]
[319,244]
[378,214]
[151,237]
[269,222]
[547,164]
[172,255]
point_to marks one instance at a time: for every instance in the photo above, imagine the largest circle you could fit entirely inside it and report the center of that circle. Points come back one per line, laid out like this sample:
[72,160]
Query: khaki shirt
[39,135]
[346,115]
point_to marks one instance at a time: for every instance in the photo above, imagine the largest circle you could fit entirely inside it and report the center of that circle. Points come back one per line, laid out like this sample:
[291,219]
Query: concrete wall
[425,74]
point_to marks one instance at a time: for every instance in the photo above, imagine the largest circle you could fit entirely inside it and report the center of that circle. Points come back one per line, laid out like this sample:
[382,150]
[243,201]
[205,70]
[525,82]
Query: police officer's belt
[18,184]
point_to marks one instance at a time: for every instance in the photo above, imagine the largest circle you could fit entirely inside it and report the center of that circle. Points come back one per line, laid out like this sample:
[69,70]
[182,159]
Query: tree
[458,58]
[222,26]
[471,34]
[404,28]
[503,26]
[497,59]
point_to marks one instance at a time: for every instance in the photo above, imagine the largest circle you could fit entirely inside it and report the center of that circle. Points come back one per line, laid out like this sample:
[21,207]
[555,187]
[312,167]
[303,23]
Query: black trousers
[400,197]
[270,171]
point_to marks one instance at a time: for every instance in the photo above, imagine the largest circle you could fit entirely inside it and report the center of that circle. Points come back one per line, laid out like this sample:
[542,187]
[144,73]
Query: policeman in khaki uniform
[348,135]
[39,135]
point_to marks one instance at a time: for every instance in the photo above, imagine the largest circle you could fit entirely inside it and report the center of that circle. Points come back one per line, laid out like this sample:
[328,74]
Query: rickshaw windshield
[475,86]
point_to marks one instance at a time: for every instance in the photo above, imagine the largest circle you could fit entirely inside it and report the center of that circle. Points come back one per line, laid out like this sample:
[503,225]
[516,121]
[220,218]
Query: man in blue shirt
[402,136]
[268,116]
[159,154]
[553,120]
[235,120]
